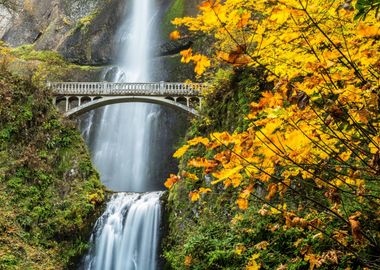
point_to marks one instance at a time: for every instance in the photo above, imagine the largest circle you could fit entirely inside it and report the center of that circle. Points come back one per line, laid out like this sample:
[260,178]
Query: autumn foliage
[311,153]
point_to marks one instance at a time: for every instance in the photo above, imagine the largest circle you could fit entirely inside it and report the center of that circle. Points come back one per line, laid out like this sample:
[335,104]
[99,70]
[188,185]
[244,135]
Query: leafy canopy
[315,135]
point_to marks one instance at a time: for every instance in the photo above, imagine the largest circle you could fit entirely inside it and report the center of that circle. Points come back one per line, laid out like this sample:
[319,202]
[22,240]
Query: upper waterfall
[136,37]
[122,139]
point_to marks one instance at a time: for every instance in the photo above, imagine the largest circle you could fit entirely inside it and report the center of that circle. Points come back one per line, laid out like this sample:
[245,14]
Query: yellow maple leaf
[222,137]
[201,63]
[191,176]
[204,190]
[194,196]
[181,151]
[236,180]
[279,15]
[198,140]
[225,173]
[186,55]
[253,265]
[239,249]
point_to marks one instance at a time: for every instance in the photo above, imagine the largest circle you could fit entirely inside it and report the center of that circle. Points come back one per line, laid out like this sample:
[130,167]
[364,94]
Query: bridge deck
[126,89]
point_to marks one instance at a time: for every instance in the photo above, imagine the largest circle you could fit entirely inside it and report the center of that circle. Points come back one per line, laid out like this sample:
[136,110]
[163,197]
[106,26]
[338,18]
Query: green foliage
[49,192]
[27,52]
[84,22]
[176,9]
[364,7]
[234,90]
[40,66]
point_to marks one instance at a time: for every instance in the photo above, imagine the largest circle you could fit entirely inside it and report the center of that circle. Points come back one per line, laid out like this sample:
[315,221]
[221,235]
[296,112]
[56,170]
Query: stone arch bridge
[76,98]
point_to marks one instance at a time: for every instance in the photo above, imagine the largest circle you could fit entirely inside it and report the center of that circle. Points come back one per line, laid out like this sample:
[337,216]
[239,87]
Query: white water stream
[126,236]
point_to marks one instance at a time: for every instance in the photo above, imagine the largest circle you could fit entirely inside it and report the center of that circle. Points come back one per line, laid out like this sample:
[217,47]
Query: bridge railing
[116,89]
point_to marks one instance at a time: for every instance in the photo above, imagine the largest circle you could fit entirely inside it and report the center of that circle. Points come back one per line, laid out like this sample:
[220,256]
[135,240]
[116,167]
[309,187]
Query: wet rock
[174,47]
[110,74]
[95,43]
[81,30]
[33,17]
[6,17]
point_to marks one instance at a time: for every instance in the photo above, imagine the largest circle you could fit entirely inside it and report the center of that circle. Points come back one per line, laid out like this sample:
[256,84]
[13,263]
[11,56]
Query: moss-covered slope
[49,191]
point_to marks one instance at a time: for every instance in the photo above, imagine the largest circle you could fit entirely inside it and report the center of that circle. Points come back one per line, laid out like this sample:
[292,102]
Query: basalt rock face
[83,31]
[95,43]
[39,21]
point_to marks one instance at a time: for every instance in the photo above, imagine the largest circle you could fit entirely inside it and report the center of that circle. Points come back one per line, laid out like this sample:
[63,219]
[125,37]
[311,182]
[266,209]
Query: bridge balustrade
[106,88]
[72,93]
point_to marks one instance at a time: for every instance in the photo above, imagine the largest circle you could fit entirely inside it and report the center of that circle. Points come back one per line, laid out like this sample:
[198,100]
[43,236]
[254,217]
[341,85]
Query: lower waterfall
[126,236]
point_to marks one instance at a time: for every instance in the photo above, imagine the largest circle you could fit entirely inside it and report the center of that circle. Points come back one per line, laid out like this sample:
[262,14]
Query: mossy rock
[49,192]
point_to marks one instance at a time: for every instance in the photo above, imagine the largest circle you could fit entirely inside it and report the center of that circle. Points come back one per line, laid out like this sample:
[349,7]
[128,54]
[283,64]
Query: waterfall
[126,235]
[121,147]
[125,144]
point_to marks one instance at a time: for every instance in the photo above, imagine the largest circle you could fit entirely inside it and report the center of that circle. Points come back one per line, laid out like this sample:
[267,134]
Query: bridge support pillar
[188,101]
[79,101]
[54,101]
[67,104]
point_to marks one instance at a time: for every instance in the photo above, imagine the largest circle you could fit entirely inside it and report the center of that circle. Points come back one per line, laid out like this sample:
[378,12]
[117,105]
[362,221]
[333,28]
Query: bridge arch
[97,103]
[80,97]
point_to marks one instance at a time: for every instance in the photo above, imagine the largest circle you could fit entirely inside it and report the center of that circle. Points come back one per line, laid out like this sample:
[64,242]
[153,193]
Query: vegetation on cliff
[40,66]
[282,169]
[50,194]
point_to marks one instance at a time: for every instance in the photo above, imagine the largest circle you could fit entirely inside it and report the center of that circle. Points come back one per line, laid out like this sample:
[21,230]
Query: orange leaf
[188,260]
[244,20]
[202,163]
[272,190]
[242,203]
[368,30]
[206,5]
[175,35]
[171,181]
[356,228]
[246,192]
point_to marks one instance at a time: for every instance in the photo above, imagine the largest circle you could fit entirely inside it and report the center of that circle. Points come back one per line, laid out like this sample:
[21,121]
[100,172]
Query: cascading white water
[126,236]
[121,148]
